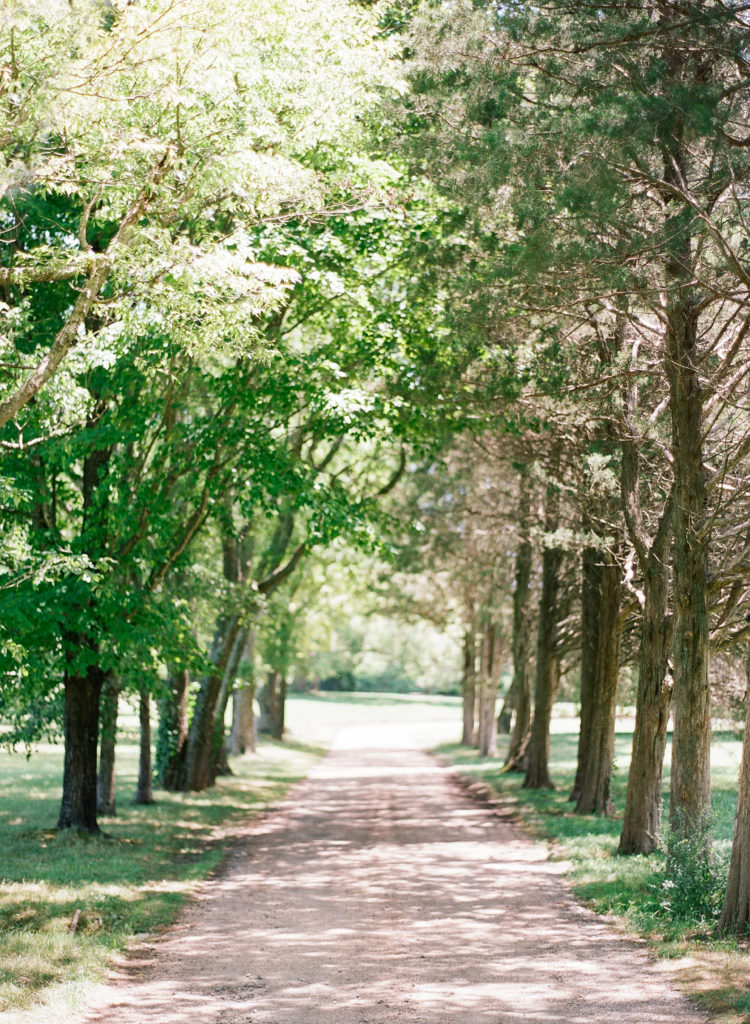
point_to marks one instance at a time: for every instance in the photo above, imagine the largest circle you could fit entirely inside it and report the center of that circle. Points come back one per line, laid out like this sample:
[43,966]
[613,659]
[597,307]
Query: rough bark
[547,668]
[468,688]
[735,914]
[522,618]
[596,777]
[106,795]
[643,802]
[691,746]
[641,824]
[144,793]
[82,695]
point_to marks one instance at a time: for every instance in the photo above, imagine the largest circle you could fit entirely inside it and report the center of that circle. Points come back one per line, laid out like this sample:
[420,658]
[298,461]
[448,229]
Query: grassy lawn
[631,888]
[132,879]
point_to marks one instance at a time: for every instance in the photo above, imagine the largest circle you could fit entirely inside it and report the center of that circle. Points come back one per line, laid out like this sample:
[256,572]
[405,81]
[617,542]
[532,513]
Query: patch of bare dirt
[380,893]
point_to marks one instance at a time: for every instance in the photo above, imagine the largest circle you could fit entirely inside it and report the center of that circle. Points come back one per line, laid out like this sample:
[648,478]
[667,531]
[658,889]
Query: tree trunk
[547,668]
[691,746]
[197,772]
[469,688]
[82,695]
[735,914]
[642,816]
[243,739]
[592,574]
[272,704]
[83,686]
[243,703]
[505,717]
[641,824]
[596,778]
[144,793]
[520,735]
[487,731]
[106,803]
[220,754]
[173,729]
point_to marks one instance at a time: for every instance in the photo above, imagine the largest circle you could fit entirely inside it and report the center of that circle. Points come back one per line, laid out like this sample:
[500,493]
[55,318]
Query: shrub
[691,888]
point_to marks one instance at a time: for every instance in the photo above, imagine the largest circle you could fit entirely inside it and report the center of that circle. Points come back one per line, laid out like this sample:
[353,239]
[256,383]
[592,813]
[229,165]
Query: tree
[606,144]
[522,630]
[647,509]
[168,143]
[537,775]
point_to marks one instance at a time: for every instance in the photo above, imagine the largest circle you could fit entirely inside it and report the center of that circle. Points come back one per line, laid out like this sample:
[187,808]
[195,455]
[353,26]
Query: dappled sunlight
[379,893]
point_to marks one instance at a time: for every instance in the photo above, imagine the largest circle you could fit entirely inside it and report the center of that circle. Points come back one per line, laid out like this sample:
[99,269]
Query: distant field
[317,719]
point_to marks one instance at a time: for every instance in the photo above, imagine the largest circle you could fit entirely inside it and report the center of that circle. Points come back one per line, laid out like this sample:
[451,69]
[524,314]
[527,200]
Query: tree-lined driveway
[379,893]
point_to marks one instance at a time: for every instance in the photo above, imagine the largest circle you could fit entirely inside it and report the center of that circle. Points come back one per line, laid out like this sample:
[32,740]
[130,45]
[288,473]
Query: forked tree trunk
[144,793]
[520,734]
[596,777]
[197,770]
[641,825]
[469,688]
[220,754]
[547,668]
[82,696]
[106,796]
[735,914]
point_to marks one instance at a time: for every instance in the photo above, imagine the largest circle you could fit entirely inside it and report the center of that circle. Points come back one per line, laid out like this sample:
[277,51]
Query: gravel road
[380,893]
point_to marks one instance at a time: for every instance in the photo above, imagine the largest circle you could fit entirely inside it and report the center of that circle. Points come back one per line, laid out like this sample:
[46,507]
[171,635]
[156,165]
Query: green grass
[132,879]
[630,888]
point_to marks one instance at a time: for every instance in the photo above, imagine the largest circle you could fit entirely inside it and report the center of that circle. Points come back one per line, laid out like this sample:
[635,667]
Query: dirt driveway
[379,893]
